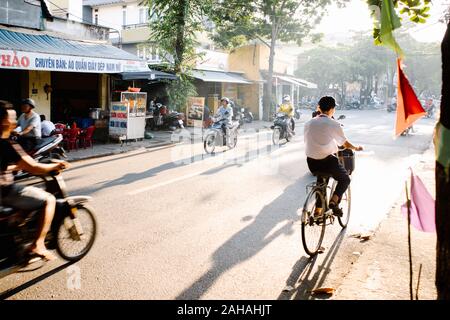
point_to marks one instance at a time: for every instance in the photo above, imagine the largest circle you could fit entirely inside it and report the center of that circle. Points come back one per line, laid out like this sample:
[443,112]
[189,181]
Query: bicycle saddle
[322,174]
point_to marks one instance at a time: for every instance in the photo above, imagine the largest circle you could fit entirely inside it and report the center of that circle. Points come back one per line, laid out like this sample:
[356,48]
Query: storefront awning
[219,76]
[147,75]
[40,51]
[297,82]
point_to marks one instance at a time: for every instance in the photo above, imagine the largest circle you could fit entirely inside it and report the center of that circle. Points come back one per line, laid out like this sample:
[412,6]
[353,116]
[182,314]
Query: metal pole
[408,202]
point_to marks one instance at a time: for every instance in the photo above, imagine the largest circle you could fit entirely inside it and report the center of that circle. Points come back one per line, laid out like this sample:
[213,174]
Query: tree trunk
[267,106]
[443,186]
[180,41]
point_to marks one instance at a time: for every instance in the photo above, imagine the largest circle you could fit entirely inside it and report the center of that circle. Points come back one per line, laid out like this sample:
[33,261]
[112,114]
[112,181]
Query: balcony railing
[135,26]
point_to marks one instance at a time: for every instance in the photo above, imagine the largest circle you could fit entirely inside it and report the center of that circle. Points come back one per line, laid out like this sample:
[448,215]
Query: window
[96,18]
[142,15]
[124,15]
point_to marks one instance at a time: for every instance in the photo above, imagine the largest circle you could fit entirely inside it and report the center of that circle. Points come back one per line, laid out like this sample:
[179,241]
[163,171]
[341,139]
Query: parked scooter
[72,232]
[221,134]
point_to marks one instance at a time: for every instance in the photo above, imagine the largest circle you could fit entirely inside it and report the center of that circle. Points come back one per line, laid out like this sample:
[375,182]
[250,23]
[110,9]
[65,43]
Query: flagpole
[408,203]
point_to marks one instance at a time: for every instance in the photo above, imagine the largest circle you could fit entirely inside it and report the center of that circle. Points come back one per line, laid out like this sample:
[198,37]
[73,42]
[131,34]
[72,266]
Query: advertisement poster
[195,111]
[118,119]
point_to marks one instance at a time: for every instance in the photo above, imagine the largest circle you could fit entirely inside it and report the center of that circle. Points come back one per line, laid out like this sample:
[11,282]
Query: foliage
[415,10]
[178,22]
[240,21]
[361,62]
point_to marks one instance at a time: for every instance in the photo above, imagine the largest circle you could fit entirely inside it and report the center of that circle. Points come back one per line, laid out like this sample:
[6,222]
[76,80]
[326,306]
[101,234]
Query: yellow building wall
[246,59]
[103,91]
[36,82]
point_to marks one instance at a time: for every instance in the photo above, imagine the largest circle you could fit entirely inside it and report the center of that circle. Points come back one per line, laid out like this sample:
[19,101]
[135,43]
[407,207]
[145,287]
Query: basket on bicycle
[347,158]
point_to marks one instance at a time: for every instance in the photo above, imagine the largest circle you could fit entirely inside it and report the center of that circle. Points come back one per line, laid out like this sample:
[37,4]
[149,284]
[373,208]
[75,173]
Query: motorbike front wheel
[276,136]
[72,242]
[210,143]
[232,141]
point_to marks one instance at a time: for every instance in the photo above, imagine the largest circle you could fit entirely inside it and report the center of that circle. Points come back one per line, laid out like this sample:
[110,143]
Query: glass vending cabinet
[127,117]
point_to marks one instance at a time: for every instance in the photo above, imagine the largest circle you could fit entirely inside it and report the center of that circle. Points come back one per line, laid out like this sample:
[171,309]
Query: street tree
[179,22]
[417,12]
[238,21]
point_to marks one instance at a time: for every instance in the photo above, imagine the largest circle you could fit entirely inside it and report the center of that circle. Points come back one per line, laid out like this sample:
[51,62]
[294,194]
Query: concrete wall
[37,80]
[77,30]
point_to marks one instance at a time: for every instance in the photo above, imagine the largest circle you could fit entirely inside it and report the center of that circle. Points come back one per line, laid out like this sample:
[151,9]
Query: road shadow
[11,292]
[253,238]
[129,178]
[304,277]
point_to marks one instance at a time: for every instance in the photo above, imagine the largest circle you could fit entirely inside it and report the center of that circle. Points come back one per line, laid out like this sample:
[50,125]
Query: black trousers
[292,124]
[27,143]
[333,167]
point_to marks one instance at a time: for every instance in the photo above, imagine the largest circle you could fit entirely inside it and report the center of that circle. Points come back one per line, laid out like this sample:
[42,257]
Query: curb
[112,153]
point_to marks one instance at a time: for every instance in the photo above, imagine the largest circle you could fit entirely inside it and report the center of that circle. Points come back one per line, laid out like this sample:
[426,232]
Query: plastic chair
[60,127]
[71,138]
[86,139]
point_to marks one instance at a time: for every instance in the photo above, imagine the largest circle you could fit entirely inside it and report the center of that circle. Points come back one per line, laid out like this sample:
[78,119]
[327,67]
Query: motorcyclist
[429,107]
[287,108]
[24,198]
[225,111]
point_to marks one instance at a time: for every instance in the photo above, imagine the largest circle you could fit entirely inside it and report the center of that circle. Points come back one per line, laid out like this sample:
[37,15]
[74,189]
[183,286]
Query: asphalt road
[176,224]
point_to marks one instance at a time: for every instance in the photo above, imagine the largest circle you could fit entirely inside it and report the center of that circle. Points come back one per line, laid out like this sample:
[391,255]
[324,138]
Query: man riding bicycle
[322,137]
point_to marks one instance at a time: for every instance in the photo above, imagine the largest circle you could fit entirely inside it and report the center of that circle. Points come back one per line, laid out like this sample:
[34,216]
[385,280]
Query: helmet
[287,98]
[225,99]
[29,102]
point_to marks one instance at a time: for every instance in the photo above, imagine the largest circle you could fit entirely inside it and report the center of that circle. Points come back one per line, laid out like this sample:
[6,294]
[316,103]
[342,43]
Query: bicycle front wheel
[345,205]
[313,227]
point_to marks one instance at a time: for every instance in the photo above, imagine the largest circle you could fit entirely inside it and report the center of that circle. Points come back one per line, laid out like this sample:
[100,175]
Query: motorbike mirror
[341,117]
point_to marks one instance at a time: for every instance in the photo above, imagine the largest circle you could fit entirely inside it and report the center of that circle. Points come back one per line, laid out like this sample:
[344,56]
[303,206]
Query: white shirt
[323,135]
[47,128]
[222,112]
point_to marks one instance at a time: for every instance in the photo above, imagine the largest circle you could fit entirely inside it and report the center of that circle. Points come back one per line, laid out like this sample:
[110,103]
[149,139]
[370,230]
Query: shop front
[68,79]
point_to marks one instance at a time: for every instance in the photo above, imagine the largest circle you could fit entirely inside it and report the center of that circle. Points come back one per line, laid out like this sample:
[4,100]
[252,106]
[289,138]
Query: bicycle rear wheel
[345,205]
[313,228]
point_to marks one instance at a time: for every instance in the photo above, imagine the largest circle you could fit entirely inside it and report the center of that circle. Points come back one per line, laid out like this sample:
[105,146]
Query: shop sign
[49,62]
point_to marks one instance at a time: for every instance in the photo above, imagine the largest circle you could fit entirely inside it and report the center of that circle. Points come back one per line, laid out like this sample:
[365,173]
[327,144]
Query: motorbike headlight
[242,109]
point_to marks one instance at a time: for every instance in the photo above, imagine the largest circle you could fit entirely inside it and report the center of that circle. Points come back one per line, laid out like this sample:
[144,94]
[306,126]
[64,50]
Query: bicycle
[313,225]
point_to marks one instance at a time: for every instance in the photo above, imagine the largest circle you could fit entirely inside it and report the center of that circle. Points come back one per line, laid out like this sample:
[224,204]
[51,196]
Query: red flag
[409,109]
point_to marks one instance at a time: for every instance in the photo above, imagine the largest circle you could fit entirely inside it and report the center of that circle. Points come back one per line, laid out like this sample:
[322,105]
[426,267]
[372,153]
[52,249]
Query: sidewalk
[382,270]
[160,139]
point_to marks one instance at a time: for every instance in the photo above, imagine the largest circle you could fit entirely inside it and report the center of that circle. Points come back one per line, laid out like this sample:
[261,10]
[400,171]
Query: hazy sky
[356,16]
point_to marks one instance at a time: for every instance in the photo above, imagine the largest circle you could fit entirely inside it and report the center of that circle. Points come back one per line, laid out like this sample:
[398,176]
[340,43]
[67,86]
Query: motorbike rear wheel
[210,143]
[67,237]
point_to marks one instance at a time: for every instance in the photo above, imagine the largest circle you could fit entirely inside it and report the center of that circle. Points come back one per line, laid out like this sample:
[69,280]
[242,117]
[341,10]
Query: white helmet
[287,98]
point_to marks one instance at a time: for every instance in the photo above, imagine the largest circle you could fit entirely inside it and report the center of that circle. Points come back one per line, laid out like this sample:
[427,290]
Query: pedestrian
[47,127]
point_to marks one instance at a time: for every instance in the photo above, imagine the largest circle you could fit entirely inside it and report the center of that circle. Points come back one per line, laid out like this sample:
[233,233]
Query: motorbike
[46,150]
[391,107]
[280,128]
[298,114]
[163,120]
[215,136]
[430,111]
[72,232]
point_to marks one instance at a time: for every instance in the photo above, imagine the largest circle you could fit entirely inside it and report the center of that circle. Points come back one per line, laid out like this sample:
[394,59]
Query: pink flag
[422,206]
